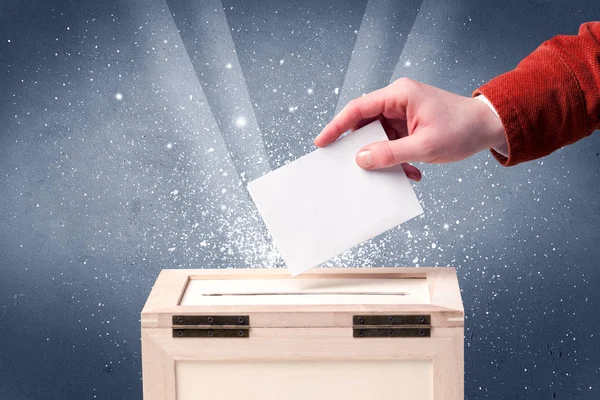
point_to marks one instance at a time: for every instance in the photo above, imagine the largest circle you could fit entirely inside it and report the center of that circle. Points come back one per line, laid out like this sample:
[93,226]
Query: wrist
[490,125]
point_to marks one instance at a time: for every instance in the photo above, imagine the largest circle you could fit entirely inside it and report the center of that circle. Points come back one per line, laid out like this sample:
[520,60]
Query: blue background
[129,129]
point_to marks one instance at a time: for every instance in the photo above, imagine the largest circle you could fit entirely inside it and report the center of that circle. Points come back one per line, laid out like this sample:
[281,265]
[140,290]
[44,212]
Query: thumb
[388,153]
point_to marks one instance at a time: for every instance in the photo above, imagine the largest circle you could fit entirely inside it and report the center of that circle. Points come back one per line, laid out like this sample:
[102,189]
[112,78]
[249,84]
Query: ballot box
[249,334]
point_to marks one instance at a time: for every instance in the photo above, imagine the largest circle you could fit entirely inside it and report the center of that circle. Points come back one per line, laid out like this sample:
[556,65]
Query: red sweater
[552,98]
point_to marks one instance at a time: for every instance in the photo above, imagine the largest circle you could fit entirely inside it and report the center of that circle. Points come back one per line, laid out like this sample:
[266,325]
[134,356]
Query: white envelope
[323,204]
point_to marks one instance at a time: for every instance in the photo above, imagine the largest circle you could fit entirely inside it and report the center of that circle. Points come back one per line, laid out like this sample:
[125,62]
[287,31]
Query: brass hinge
[378,326]
[211,326]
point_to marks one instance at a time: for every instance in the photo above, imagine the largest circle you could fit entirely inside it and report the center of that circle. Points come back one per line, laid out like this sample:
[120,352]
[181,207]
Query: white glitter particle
[191,97]
[229,66]
[292,108]
[175,192]
[169,146]
[433,245]
[8,40]
[211,150]
[119,96]
[165,41]
[446,226]
[407,64]
[281,61]
[240,122]
[309,90]
[336,90]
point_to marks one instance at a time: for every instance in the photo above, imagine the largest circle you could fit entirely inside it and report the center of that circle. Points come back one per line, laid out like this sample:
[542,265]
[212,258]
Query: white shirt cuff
[504,148]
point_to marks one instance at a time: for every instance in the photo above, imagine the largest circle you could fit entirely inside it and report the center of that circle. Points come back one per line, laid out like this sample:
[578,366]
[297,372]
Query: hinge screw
[422,332]
[180,320]
[240,320]
[361,333]
[422,319]
[241,333]
[179,333]
[390,319]
[391,333]
[361,320]
[211,333]
[210,320]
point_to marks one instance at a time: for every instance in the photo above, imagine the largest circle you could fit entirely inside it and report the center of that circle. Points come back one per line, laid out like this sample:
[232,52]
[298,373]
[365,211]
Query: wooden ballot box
[353,334]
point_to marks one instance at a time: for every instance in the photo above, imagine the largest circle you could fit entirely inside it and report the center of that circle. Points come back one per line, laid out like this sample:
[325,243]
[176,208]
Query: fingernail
[364,159]
[412,176]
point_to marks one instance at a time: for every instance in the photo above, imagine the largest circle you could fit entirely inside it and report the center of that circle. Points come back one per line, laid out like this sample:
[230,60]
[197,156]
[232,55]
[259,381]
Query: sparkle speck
[336,90]
[309,90]
[240,122]
[229,66]
[281,61]
[169,146]
[119,96]
[165,41]
[292,108]
[8,40]
[407,63]
[446,226]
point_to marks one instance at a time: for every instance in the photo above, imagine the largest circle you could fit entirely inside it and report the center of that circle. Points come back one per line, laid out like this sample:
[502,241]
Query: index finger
[364,107]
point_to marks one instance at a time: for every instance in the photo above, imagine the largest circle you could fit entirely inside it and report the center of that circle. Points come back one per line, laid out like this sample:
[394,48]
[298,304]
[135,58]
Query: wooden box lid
[326,297]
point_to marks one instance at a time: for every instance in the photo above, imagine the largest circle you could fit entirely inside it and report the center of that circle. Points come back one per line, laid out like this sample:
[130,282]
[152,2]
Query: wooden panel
[301,380]
[301,344]
[443,349]
[245,292]
[158,370]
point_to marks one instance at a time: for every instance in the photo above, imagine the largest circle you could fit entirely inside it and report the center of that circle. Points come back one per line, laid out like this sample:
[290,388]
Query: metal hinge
[211,326]
[377,326]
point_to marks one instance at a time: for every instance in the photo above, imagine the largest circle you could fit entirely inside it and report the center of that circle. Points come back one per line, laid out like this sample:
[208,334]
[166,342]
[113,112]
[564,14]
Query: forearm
[551,99]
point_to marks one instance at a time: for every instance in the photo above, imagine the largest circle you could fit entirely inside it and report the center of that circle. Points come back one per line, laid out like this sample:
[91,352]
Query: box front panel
[300,380]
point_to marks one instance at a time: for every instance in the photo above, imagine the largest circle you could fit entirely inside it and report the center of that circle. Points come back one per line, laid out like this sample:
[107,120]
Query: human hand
[423,123]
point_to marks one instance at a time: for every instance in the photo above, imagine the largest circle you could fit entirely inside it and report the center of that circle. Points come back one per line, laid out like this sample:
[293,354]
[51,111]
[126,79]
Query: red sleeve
[552,98]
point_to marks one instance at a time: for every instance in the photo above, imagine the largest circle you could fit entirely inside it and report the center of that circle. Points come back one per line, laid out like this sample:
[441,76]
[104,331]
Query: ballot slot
[306,291]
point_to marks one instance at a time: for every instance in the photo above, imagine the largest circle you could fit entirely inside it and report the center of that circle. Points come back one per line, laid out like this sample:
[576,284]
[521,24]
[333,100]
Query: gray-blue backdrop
[129,129]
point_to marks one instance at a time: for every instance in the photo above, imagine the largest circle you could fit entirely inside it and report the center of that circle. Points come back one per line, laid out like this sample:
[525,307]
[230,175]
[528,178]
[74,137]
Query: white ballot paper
[323,204]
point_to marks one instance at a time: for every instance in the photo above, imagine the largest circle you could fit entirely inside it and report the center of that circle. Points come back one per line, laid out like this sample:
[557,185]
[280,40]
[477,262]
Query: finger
[387,153]
[361,108]
[412,172]
[362,123]
[390,131]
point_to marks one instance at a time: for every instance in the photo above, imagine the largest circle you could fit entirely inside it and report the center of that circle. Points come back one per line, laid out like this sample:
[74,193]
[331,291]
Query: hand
[423,123]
